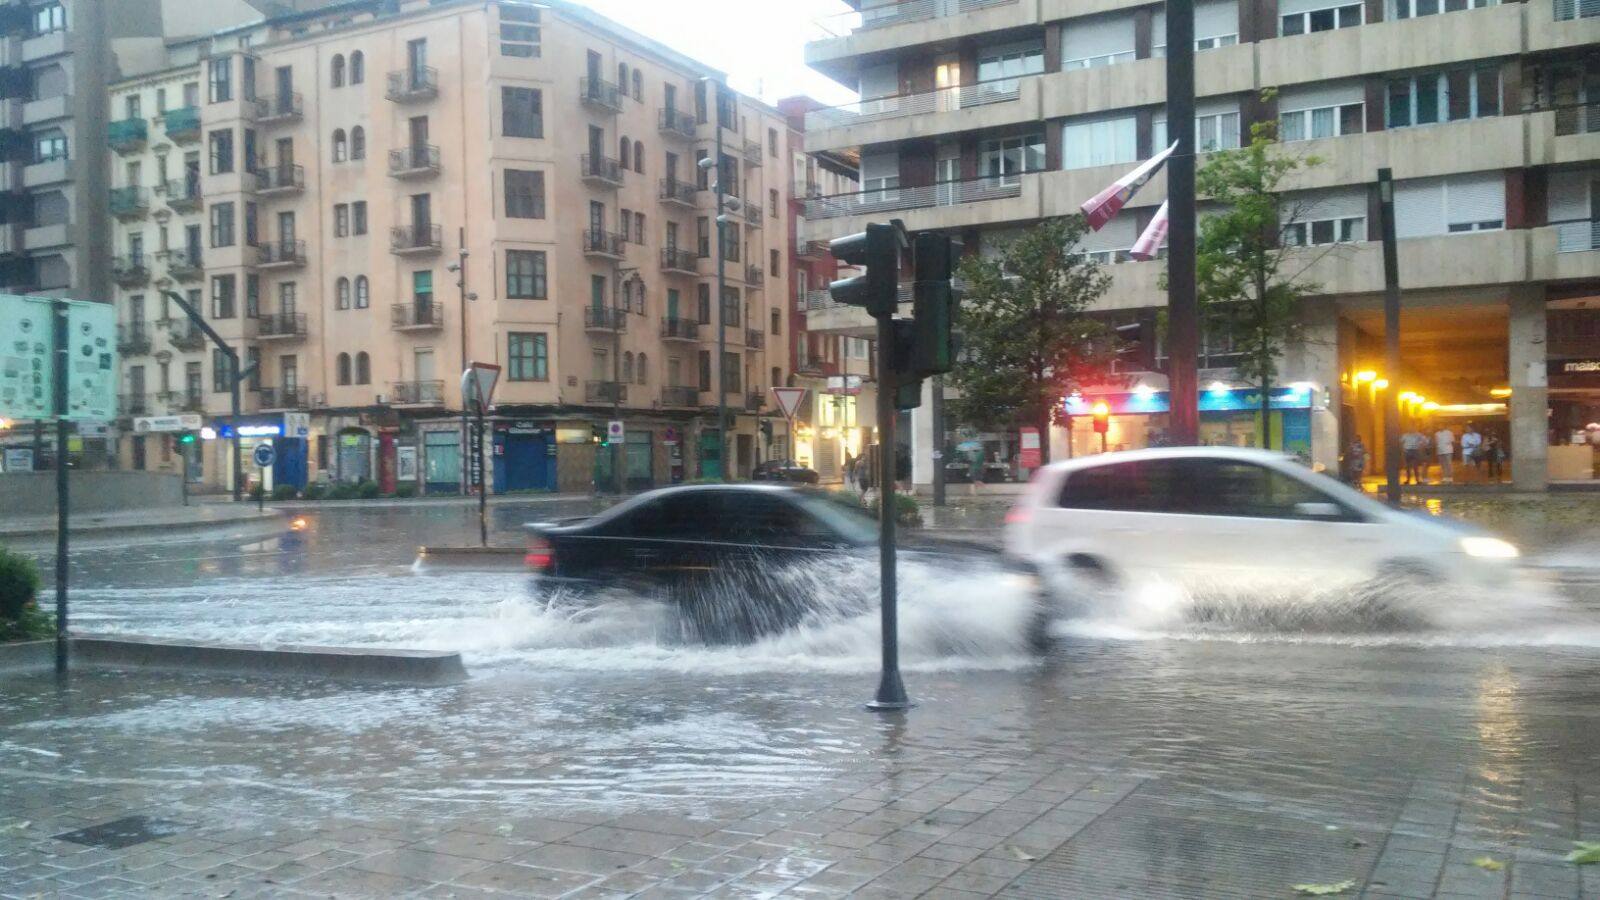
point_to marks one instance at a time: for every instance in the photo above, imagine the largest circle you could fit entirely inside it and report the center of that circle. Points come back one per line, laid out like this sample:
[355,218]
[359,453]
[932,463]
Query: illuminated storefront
[1229,417]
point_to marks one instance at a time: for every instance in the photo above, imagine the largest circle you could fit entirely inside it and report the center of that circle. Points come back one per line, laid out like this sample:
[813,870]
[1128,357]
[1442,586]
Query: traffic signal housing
[1102,417]
[878,251]
[907,383]
[932,350]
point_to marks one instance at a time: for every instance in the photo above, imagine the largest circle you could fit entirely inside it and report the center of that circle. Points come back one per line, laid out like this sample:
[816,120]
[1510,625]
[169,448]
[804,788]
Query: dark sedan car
[784,470]
[725,554]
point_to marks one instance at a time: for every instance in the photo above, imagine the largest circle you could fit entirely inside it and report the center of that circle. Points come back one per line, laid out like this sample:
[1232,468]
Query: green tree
[1027,341]
[1248,273]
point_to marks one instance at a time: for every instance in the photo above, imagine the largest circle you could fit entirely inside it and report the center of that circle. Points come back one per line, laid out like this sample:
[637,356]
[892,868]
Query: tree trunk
[1044,438]
[1266,412]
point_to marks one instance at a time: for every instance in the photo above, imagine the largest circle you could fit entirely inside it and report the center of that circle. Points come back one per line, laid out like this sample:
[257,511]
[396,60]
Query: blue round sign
[263,455]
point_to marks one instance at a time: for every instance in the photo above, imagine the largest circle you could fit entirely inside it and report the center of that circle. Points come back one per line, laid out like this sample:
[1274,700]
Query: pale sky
[759,43]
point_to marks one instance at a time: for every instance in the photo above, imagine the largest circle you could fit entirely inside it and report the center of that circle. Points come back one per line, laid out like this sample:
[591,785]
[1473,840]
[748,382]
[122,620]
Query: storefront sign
[152,424]
[1031,456]
[474,456]
[297,424]
[250,426]
[405,463]
[1574,366]
[19,459]
[574,434]
[1241,400]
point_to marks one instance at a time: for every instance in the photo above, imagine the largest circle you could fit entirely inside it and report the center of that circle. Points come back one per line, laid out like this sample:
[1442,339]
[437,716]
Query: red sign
[1031,456]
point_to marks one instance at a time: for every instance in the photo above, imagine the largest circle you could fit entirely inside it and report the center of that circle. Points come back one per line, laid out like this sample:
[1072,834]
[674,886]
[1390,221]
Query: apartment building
[377,192]
[980,116]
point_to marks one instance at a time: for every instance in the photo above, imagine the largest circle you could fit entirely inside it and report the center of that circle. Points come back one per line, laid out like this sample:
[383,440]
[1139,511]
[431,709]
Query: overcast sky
[759,43]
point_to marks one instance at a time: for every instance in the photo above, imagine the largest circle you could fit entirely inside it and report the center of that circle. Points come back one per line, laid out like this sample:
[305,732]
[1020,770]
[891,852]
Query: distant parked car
[784,470]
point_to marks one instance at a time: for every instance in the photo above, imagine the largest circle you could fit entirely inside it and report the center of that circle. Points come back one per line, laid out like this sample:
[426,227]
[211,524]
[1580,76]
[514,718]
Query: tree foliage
[1027,341]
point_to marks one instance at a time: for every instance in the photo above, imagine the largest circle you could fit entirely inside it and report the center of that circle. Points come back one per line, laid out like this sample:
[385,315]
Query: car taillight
[1018,515]
[541,556]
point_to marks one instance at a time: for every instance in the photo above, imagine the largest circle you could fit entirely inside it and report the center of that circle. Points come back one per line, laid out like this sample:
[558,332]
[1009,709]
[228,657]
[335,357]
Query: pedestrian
[1444,443]
[1355,461]
[1494,454]
[974,471]
[1413,444]
[1472,447]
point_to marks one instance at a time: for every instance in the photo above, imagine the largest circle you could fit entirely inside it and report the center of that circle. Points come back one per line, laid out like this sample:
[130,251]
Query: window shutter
[1213,20]
[1118,234]
[1336,93]
[1097,36]
[1478,197]
[1419,207]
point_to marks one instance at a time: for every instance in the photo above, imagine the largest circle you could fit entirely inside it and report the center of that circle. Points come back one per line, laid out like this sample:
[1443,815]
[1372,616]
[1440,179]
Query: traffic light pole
[235,378]
[891,691]
[937,412]
[1183,313]
[63,505]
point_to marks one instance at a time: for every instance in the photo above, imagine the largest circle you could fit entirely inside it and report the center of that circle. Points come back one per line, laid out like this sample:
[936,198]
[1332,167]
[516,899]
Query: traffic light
[907,383]
[600,436]
[934,308]
[1131,356]
[878,250]
[186,438]
[1102,417]
[766,429]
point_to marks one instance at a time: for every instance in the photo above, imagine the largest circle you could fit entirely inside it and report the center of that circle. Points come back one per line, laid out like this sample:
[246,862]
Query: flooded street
[1151,752]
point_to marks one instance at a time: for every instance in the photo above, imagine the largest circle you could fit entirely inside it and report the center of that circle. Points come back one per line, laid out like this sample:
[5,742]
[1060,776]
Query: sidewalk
[177,519]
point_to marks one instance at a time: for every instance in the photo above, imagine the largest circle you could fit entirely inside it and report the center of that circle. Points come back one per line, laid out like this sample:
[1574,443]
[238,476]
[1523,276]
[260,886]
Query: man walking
[1355,462]
[1472,448]
[1412,446]
[1444,443]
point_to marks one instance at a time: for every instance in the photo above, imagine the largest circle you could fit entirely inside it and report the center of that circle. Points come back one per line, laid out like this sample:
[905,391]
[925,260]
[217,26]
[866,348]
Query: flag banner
[1149,243]
[1104,206]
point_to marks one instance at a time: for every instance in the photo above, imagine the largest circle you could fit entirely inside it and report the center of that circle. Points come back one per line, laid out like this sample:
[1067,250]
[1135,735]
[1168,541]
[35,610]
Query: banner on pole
[1104,206]
[1155,234]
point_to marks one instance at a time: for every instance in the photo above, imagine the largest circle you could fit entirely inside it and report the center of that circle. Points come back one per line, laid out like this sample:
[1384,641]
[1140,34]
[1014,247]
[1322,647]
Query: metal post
[618,459]
[1183,314]
[483,480]
[1391,337]
[722,282]
[891,691]
[234,379]
[937,409]
[63,503]
[461,288]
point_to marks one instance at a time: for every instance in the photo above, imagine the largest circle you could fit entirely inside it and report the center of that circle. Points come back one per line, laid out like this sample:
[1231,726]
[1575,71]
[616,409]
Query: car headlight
[1489,548]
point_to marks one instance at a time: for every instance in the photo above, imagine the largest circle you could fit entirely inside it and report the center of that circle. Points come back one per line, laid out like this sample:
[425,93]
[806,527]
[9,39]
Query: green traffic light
[186,439]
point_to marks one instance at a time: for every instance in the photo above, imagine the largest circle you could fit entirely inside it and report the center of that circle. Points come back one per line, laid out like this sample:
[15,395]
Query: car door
[1111,517]
[677,536]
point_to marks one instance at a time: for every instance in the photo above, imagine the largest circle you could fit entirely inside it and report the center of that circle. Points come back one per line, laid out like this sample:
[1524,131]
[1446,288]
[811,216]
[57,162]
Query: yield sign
[477,383]
[788,399]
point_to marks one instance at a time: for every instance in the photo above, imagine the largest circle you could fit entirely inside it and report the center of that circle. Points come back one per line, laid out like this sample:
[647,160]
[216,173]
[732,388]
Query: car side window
[1145,486]
[1223,487]
[759,519]
[676,515]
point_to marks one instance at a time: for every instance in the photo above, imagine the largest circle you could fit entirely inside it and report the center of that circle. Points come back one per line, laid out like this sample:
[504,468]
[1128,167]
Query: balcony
[413,85]
[754,276]
[967,107]
[753,215]
[419,161]
[185,335]
[128,203]
[281,255]
[603,244]
[948,204]
[133,404]
[837,40]
[601,170]
[184,194]
[133,338]
[280,180]
[416,393]
[182,124]
[677,123]
[417,316]
[604,392]
[686,330]
[603,320]
[280,326]
[683,193]
[680,397]
[128,135]
[130,271]
[278,398]
[415,240]
[678,262]
[278,108]
[754,400]
[190,401]
[182,264]
[755,339]
[752,154]
[600,94]
[810,251]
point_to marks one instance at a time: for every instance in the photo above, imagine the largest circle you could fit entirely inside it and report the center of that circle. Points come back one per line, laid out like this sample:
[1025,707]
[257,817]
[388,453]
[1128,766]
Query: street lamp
[714,90]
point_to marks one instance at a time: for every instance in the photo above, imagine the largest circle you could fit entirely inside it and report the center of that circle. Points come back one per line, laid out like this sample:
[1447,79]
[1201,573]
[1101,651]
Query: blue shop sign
[1233,400]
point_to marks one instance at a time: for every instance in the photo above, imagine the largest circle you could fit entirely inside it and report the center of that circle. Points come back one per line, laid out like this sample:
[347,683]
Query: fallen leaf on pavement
[1587,854]
[1324,890]
[1490,863]
[1020,854]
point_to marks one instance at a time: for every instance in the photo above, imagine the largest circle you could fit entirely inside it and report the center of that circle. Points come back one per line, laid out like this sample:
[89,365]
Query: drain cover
[122,832]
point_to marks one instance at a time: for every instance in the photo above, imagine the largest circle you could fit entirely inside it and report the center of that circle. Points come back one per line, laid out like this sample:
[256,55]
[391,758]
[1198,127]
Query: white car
[1203,516]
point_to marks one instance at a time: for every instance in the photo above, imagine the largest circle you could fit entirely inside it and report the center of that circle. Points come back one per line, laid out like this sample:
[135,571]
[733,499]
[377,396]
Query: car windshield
[839,512]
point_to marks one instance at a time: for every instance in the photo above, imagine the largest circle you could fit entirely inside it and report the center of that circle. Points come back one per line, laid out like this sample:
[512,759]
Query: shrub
[906,510]
[315,491]
[19,583]
[342,492]
[405,491]
[255,492]
[367,490]
[284,492]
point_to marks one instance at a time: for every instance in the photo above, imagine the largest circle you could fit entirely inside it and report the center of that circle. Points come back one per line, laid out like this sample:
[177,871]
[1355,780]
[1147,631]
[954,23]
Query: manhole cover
[122,833]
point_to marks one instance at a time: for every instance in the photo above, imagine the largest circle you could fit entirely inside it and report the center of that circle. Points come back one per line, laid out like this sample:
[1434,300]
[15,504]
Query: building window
[358,68]
[1005,159]
[1348,16]
[638,225]
[337,76]
[252,296]
[528,356]
[1102,143]
[1448,96]
[222,224]
[705,370]
[1325,231]
[342,369]
[519,32]
[1322,122]
[250,230]
[1217,131]
[638,85]
[625,225]
[219,74]
[223,304]
[777,324]
[524,194]
[772,142]
[49,18]
[626,376]
[1410,9]
[363,292]
[341,293]
[625,152]
[731,370]
[363,368]
[773,263]
[50,145]
[341,146]
[358,217]
[221,371]
[222,151]
[358,143]
[642,370]
[341,220]
[638,157]
[521,112]
[525,274]
[422,288]
[703,303]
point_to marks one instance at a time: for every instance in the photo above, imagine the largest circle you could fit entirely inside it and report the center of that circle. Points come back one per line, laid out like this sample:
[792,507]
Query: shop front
[290,456]
[1229,417]
[524,456]
[441,459]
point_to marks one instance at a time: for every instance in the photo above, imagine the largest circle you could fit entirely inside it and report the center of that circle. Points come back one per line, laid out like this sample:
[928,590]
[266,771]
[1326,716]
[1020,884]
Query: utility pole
[1183,313]
[236,377]
[1391,337]
[62,361]
[460,268]
[722,286]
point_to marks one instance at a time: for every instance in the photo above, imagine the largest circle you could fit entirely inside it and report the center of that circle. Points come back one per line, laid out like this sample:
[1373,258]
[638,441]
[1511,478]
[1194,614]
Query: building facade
[377,193]
[978,118]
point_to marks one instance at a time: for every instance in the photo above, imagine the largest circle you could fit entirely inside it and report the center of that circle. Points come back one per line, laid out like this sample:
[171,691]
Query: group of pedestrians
[1482,454]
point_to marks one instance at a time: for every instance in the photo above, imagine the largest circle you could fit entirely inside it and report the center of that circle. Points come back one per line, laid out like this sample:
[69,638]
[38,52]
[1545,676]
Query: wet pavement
[593,754]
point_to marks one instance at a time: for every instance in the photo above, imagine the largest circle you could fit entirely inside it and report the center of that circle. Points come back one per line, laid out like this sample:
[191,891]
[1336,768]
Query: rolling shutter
[1478,197]
[1097,36]
[1419,207]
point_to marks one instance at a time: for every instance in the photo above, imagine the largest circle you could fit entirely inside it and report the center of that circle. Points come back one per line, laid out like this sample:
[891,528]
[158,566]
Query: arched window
[638,157]
[344,368]
[622,77]
[338,70]
[638,85]
[358,143]
[625,153]
[643,369]
[341,293]
[627,367]
[358,68]
[362,297]
[638,297]
[363,368]
[341,148]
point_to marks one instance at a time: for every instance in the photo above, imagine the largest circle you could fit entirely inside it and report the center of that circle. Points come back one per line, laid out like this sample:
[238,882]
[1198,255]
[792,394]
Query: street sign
[1031,451]
[614,430]
[157,424]
[27,364]
[478,381]
[263,455]
[670,437]
[18,459]
[788,399]
[296,424]
[475,455]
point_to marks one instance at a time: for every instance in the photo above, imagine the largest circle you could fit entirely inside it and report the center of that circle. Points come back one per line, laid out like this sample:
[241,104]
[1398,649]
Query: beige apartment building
[363,198]
[980,116]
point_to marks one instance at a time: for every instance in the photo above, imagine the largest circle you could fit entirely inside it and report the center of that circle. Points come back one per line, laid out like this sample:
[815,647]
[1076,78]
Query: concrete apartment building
[375,192]
[980,116]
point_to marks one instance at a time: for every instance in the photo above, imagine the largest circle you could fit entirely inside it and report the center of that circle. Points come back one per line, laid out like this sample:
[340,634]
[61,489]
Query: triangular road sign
[788,399]
[478,381]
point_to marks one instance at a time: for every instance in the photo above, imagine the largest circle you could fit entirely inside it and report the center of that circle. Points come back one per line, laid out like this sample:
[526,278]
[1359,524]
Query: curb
[348,664]
[270,517]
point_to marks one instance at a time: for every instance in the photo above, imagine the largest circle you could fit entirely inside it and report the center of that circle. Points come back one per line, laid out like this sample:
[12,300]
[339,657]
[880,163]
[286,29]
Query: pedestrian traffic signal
[766,429]
[877,250]
[1102,417]
[600,436]
[933,307]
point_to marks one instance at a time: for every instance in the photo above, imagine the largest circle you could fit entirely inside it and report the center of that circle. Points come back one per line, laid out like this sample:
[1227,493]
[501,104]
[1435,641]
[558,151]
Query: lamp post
[714,163]
[459,267]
